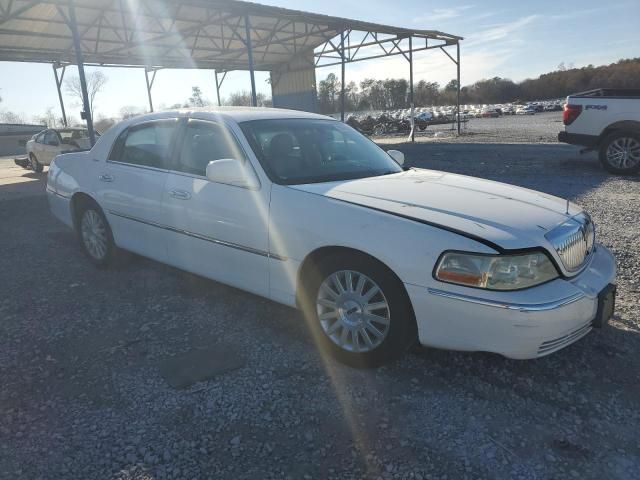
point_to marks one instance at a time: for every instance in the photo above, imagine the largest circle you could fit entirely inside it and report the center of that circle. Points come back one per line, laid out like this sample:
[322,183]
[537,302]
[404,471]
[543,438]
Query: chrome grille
[574,241]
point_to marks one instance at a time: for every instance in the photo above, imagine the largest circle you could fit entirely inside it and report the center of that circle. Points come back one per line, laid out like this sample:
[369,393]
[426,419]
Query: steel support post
[149,85]
[458,78]
[215,73]
[342,86]
[411,104]
[247,29]
[58,85]
[73,26]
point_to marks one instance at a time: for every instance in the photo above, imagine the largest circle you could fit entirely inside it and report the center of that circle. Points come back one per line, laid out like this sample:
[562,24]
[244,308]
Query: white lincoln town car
[305,211]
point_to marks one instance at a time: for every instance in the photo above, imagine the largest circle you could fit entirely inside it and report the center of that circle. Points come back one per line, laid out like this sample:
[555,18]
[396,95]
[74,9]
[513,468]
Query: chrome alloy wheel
[94,234]
[353,311]
[624,152]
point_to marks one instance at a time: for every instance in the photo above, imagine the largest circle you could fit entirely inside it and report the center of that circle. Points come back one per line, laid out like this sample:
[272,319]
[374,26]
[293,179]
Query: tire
[379,129]
[94,234]
[338,320]
[620,152]
[35,165]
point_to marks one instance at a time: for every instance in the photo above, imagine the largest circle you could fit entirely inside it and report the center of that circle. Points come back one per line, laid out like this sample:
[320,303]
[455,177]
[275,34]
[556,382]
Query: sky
[514,39]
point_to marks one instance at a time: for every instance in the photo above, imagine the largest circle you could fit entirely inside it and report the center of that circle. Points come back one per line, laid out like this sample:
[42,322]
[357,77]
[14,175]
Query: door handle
[105,177]
[180,194]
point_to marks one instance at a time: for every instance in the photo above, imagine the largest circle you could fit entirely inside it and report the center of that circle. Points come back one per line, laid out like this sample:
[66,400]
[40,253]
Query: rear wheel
[360,311]
[620,152]
[34,164]
[95,234]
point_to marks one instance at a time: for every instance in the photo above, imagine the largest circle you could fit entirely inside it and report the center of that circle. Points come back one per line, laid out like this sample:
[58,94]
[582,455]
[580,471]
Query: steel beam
[58,85]
[458,77]
[373,57]
[247,29]
[219,82]
[80,61]
[215,73]
[149,86]
[413,119]
[342,86]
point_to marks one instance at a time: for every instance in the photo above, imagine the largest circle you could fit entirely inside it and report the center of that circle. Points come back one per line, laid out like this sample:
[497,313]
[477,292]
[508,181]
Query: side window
[40,138]
[205,142]
[51,138]
[147,144]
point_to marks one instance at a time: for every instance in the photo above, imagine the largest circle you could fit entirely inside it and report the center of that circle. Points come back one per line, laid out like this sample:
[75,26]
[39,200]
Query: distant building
[14,136]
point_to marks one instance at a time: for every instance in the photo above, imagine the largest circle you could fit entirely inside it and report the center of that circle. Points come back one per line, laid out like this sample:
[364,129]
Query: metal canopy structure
[223,35]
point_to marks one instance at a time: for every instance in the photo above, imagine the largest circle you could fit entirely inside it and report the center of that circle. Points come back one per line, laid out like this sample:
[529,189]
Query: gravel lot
[86,354]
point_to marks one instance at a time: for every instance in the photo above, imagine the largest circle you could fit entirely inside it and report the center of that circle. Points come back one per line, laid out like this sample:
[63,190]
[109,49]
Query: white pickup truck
[607,120]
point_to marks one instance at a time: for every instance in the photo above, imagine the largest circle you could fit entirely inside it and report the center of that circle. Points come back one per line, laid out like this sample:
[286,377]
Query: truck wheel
[35,165]
[620,153]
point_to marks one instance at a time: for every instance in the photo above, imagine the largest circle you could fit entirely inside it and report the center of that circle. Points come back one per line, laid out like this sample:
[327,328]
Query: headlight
[495,272]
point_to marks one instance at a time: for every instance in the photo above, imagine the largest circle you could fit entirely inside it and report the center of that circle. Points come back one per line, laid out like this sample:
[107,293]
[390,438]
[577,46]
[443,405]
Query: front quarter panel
[303,222]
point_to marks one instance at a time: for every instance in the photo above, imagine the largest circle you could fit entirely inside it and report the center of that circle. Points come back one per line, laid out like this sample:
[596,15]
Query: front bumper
[523,324]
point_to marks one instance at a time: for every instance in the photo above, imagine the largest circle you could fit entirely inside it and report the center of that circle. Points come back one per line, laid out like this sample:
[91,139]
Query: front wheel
[35,165]
[620,153]
[359,311]
[95,235]
[379,129]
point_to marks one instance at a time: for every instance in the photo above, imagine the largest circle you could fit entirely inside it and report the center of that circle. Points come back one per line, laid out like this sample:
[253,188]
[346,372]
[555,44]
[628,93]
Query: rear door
[131,183]
[217,230]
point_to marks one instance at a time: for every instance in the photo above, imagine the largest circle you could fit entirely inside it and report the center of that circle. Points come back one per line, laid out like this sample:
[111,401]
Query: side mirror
[397,155]
[232,172]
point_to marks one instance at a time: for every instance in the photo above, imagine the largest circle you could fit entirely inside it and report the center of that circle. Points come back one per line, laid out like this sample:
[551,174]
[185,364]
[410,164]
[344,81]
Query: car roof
[237,114]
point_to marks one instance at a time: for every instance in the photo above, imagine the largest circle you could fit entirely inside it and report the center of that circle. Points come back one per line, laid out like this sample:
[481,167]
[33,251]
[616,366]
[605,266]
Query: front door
[217,230]
[131,183]
[49,148]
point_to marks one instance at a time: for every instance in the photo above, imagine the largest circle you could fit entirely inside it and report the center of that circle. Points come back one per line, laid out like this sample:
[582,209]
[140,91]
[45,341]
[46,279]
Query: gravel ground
[83,393]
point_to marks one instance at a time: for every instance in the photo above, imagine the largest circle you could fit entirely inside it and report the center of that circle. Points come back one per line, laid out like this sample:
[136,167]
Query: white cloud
[503,31]
[441,14]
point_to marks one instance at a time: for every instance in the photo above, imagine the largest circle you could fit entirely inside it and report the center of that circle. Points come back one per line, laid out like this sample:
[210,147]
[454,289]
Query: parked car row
[399,121]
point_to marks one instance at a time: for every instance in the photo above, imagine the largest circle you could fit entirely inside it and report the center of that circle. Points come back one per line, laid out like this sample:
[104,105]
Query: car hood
[508,216]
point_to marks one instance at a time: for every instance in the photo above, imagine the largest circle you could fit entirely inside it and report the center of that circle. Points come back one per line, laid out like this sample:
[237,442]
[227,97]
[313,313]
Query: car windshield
[74,134]
[296,151]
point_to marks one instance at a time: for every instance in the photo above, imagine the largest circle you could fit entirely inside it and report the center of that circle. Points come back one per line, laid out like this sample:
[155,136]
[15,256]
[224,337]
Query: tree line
[392,93]
[388,94]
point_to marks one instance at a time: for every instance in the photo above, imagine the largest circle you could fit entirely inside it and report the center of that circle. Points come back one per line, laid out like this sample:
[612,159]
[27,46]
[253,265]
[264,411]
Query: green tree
[426,94]
[197,98]
[329,94]
[243,99]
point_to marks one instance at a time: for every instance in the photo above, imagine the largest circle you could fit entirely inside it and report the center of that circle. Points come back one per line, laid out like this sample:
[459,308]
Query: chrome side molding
[520,307]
